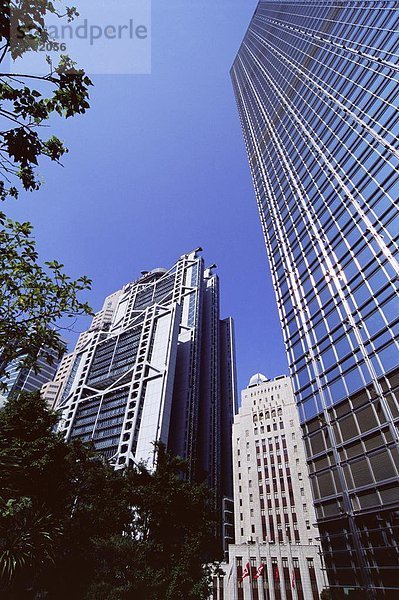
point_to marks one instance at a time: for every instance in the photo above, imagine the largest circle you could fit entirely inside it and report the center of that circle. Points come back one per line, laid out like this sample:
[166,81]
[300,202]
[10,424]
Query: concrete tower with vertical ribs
[274,516]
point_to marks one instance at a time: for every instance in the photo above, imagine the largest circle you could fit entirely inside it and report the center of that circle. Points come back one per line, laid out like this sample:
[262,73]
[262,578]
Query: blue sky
[156,168]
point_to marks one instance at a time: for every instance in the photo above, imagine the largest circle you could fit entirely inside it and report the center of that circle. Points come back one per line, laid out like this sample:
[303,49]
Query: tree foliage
[171,537]
[72,527]
[32,298]
[27,539]
[63,89]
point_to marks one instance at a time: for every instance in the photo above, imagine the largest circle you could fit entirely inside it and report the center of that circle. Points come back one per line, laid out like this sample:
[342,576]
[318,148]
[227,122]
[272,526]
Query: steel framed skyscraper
[157,364]
[316,83]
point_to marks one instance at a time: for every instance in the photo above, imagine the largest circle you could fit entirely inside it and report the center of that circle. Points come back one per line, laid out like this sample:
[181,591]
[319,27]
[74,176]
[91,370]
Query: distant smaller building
[52,390]
[275,529]
[28,379]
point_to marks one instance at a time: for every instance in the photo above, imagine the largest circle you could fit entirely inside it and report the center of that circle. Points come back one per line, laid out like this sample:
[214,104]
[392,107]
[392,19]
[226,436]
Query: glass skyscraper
[316,83]
[157,364]
[29,379]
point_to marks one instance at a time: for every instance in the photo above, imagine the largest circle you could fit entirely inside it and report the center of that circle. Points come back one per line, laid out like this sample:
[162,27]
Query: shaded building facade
[316,84]
[157,364]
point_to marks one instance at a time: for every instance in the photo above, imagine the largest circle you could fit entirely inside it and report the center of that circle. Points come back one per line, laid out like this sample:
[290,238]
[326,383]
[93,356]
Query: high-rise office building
[54,391]
[316,83]
[274,515]
[29,379]
[157,364]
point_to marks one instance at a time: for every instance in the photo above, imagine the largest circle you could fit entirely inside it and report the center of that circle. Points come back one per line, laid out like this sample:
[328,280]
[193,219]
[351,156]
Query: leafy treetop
[33,298]
[72,527]
[63,89]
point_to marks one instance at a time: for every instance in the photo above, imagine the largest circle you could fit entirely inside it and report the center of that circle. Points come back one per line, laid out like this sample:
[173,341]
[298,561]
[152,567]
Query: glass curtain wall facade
[316,83]
[29,379]
[157,364]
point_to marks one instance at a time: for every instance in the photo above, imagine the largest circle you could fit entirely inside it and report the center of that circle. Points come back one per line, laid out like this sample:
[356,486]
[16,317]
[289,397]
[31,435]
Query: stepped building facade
[275,530]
